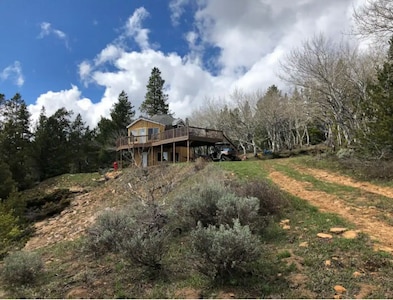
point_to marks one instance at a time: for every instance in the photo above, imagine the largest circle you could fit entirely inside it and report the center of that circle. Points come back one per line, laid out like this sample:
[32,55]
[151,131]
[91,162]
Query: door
[144,159]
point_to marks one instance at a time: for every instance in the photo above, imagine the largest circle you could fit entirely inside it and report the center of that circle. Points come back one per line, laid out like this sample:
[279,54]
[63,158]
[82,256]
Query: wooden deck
[181,134]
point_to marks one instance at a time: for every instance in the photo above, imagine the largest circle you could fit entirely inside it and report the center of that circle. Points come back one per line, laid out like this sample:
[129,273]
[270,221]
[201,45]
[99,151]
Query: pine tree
[109,129]
[15,137]
[51,145]
[155,99]
[122,112]
[379,110]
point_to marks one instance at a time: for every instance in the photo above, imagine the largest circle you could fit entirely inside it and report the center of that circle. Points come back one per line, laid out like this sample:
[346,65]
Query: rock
[286,227]
[328,263]
[337,297]
[338,230]
[78,293]
[188,293]
[351,234]
[324,235]
[286,221]
[356,274]
[339,289]
[303,244]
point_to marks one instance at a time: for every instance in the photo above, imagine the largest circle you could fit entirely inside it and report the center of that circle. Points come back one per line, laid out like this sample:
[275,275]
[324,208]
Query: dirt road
[369,219]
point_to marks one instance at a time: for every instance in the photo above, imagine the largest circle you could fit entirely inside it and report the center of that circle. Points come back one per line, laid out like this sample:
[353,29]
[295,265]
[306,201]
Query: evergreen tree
[122,112]
[81,146]
[379,110]
[51,145]
[155,99]
[109,130]
[15,139]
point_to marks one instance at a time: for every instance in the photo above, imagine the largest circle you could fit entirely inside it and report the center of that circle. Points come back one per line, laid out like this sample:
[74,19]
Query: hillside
[326,243]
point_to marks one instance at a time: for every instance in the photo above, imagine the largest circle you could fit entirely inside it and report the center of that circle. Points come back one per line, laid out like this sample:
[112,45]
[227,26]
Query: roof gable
[143,119]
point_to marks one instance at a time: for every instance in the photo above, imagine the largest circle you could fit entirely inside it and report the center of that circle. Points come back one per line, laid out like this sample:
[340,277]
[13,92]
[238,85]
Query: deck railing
[167,135]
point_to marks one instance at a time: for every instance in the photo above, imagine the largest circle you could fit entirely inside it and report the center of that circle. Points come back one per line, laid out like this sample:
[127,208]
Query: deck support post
[188,150]
[174,152]
[152,156]
[162,153]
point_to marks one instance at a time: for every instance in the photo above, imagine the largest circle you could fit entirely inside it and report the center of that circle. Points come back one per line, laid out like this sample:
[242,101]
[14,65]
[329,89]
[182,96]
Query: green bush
[213,204]
[22,267]
[225,252]
[199,204]
[146,247]
[230,207]
[141,238]
[109,231]
[149,240]
[9,230]
[271,199]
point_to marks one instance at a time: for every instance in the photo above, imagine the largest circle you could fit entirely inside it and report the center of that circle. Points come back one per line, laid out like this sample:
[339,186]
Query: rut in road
[363,217]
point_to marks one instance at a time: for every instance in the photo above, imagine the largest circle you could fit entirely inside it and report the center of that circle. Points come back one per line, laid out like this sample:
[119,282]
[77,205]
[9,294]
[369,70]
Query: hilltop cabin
[160,138]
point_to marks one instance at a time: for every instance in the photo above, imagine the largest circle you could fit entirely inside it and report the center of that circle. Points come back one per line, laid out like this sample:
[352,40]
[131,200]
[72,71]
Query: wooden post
[162,153]
[174,152]
[188,150]
[121,159]
[152,155]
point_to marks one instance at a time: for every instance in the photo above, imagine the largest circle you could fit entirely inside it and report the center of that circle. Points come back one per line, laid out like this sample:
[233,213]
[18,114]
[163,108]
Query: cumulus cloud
[71,99]
[249,38]
[47,29]
[13,72]
[134,29]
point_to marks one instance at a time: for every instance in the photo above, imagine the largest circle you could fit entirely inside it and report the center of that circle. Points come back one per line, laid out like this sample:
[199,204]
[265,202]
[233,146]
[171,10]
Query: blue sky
[80,54]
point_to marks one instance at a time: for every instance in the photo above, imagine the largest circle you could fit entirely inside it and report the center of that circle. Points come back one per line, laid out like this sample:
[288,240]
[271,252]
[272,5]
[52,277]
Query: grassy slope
[69,268]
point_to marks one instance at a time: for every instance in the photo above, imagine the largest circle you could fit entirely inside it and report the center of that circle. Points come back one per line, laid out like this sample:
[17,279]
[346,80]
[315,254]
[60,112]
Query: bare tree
[336,78]
[375,19]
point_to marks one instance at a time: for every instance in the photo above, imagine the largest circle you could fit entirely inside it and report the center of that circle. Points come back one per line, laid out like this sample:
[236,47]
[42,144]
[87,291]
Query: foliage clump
[271,199]
[225,251]
[9,231]
[141,238]
[22,267]
[108,232]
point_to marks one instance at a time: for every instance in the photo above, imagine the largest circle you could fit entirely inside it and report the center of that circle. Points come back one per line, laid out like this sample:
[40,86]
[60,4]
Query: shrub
[9,230]
[146,247]
[22,267]
[141,238]
[148,243]
[198,205]
[224,252]
[230,207]
[271,199]
[109,231]
[200,163]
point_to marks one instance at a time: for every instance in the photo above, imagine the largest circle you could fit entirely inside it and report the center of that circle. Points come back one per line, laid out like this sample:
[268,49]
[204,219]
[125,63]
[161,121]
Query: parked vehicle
[222,151]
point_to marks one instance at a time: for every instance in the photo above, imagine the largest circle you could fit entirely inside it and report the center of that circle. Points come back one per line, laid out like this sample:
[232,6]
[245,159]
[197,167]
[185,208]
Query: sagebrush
[226,251]
[22,267]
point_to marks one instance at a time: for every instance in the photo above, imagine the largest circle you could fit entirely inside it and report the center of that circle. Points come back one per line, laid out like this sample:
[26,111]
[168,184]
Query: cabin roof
[165,120]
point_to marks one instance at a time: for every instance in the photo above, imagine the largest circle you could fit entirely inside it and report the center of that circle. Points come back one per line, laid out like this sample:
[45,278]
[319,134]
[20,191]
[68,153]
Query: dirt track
[364,217]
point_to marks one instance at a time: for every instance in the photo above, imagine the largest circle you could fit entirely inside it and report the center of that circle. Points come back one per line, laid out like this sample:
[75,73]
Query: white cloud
[109,54]
[177,10]
[84,70]
[47,29]
[252,36]
[71,99]
[134,28]
[13,72]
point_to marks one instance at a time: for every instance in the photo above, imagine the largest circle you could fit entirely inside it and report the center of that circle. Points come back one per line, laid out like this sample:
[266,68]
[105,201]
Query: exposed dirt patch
[116,189]
[363,217]
[344,180]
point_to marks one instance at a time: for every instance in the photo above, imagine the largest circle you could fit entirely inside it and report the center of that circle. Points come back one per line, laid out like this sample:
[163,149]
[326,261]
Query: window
[153,133]
[164,156]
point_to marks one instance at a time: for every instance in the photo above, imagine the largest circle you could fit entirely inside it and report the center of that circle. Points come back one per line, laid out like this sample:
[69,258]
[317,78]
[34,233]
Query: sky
[80,54]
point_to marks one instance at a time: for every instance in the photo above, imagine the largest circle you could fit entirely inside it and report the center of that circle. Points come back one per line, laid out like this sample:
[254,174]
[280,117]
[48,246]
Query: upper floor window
[153,133]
